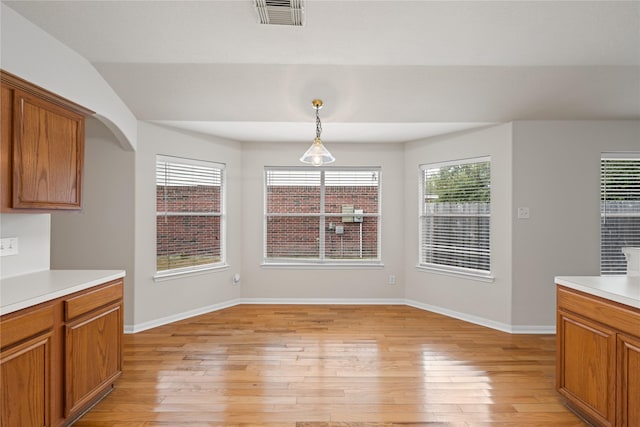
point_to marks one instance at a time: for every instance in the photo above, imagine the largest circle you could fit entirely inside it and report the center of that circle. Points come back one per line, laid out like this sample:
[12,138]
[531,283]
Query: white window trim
[465,273]
[310,265]
[189,271]
[477,275]
[321,262]
[204,268]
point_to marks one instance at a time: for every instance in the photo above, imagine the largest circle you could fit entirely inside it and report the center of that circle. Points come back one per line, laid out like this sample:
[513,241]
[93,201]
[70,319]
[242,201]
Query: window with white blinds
[619,209]
[322,215]
[189,215]
[455,216]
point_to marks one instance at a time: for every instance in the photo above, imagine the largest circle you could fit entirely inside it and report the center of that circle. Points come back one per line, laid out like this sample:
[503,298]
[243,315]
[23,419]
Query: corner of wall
[28,52]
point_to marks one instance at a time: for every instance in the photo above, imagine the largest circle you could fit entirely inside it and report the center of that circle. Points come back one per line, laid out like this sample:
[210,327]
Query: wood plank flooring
[332,366]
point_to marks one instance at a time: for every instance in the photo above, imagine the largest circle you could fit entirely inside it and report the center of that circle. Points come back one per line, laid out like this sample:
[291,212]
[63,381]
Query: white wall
[486,303]
[30,53]
[101,236]
[556,173]
[161,301]
[551,167]
[32,231]
[261,283]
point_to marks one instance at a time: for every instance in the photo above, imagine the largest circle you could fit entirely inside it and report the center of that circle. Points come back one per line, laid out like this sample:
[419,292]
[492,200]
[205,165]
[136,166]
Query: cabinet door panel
[93,356]
[587,357]
[48,154]
[628,381]
[25,379]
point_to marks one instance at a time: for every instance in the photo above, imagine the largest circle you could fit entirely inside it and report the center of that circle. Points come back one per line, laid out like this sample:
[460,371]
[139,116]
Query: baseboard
[461,316]
[132,329]
[534,329]
[481,321]
[511,329]
[325,301]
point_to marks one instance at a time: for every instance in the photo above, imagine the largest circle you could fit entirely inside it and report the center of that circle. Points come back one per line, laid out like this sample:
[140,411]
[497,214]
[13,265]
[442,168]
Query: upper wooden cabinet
[42,148]
[48,153]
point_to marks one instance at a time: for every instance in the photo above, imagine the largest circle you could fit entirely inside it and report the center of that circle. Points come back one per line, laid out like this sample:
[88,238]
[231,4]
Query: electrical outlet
[392,279]
[523,213]
[9,246]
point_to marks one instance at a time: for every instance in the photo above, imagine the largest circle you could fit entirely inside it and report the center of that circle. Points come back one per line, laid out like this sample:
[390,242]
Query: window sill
[161,277]
[323,266]
[480,277]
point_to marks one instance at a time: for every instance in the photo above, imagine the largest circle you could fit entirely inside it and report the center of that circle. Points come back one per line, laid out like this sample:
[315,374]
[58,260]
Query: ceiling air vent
[280,12]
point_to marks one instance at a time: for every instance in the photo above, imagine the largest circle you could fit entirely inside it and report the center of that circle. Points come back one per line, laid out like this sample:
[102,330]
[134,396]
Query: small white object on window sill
[633,261]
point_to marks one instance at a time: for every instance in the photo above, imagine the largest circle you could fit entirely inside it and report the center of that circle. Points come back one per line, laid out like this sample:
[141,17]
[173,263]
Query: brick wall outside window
[187,240]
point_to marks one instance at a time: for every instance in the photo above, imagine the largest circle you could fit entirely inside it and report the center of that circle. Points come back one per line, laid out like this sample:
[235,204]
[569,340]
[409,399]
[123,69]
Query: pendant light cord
[318,124]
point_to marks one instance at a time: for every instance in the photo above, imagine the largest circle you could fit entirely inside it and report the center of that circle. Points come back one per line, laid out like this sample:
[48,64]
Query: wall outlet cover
[9,246]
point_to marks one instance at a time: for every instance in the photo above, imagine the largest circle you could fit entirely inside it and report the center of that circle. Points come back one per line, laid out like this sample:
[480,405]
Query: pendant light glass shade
[317,154]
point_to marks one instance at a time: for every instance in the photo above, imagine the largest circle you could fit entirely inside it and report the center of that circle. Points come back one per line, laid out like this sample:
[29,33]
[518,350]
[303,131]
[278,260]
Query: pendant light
[317,154]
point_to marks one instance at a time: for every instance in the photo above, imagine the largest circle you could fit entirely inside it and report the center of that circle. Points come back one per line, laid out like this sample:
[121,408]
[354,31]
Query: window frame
[202,268]
[463,272]
[322,261]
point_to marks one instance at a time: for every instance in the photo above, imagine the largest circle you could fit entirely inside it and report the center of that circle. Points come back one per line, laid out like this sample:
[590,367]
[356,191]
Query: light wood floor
[332,366]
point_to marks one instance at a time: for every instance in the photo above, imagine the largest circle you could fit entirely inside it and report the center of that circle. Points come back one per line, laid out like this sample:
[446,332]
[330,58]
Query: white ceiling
[387,70]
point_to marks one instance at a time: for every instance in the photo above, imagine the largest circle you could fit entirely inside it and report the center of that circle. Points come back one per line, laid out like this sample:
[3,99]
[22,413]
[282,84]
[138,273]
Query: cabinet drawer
[86,302]
[617,316]
[18,328]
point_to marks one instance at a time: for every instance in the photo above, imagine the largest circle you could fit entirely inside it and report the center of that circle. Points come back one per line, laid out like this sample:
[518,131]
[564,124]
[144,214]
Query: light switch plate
[9,246]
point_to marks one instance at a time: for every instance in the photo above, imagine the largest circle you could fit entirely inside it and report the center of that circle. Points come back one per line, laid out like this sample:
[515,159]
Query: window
[619,209]
[322,215]
[455,213]
[189,215]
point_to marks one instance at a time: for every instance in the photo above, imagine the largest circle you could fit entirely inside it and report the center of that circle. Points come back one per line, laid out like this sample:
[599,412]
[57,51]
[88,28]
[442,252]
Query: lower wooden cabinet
[598,358]
[26,383]
[60,357]
[628,380]
[588,364]
[26,339]
[93,357]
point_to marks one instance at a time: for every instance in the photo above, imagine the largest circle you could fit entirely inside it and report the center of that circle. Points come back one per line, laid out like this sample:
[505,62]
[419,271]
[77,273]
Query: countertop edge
[577,283]
[95,277]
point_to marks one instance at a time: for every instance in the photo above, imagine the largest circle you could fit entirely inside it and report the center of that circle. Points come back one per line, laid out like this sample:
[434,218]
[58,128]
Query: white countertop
[24,291]
[622,289]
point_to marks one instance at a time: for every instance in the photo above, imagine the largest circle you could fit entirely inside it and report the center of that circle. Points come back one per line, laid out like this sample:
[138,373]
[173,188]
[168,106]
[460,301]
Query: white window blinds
[189,214]
[455,214]
[619,210]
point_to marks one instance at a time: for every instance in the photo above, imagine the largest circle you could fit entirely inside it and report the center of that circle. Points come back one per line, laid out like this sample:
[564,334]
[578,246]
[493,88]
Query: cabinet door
[628,381]
[25,383]
[48,154]
[586,367]
[6,136]
[93,356]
